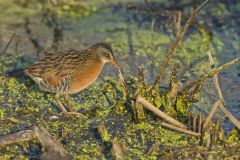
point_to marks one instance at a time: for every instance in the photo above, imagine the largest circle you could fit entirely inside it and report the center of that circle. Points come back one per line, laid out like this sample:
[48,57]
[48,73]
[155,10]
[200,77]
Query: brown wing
[54,67]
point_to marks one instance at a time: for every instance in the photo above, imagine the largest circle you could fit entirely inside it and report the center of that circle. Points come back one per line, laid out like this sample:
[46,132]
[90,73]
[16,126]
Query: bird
[69,71]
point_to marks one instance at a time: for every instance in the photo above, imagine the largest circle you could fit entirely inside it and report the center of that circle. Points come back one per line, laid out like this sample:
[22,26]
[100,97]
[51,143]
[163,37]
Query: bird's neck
[101,59]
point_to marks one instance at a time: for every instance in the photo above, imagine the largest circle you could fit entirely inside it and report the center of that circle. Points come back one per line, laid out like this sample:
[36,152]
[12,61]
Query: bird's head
[104,53]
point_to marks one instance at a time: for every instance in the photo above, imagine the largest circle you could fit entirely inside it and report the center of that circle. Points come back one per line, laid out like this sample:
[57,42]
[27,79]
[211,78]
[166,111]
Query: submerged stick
[159,113]
[174,46]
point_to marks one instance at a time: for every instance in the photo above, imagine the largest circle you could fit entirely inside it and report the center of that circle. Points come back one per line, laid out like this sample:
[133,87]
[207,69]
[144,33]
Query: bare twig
[215,77]
[159,113]
[177,22]
[123,83]
[227,113]
[9,42]
[210,115]
[210,74]
[230,116]
[175,45]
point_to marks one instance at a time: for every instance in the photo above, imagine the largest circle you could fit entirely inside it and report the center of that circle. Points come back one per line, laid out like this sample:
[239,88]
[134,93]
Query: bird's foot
[75,113]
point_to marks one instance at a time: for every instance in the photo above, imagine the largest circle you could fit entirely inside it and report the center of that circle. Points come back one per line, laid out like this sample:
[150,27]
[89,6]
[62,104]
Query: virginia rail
[70,71]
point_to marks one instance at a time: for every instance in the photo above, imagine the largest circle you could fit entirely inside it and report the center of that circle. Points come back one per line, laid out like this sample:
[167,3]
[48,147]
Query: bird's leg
[68,102]
[60,104]
[69,105]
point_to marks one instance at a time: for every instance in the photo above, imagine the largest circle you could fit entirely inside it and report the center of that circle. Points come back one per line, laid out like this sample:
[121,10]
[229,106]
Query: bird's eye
[107,54]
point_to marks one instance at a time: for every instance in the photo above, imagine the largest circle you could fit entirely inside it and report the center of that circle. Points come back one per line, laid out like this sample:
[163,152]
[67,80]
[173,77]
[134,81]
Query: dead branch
[225,111]
[48,142]
[210,115]
[21,136]
[54,150]
[230,116]
[183,130]
[210,74]
[174,46]
[215,78]
[159,113]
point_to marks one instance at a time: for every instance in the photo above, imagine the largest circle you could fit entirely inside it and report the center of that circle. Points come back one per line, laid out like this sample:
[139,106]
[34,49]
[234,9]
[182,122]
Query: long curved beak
[116,65]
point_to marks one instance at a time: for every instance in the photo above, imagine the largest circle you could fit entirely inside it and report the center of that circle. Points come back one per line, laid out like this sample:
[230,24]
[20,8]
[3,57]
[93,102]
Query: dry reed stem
[174,46]
[200,123]
[225,111]
[123,83]
[159,113]
[210,74]
[173,92]
[210,115]
[180,129]
[215,78]
[230,116]
[194,123]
